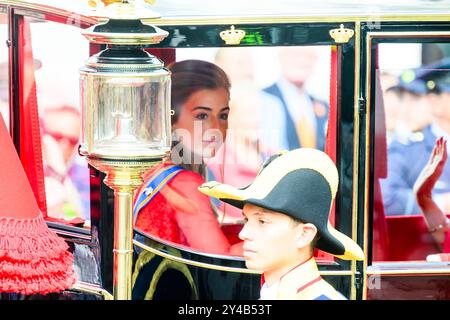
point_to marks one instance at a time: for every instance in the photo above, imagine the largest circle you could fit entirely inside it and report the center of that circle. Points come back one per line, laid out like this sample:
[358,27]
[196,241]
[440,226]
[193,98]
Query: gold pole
[124,178]
[356,152]
[123,243]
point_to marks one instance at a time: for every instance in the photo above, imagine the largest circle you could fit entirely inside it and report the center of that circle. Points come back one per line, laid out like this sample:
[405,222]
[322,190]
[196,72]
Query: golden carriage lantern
[125,99]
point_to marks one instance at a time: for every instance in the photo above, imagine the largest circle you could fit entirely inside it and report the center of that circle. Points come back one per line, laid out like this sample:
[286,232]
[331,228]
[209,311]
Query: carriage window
[274,106]
[58,52]
[4,93]
[411,192]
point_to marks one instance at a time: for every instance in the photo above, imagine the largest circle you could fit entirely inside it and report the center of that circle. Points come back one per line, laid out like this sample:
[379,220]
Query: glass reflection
[55,76]
[410,221]
[128,113]
[231,111]
[4,91]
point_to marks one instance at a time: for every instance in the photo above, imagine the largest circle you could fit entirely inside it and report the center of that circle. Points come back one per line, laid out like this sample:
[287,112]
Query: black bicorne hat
[302,184]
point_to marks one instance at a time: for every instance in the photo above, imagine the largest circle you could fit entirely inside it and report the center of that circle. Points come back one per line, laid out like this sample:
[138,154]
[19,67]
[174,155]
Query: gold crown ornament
[341,35]
[232,36]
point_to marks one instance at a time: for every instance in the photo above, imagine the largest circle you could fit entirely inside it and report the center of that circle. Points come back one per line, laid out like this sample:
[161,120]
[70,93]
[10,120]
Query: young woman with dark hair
[168,205]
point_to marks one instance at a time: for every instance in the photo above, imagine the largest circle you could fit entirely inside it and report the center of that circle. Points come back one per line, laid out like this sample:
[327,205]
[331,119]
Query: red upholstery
[409,238]
[380,236]
[331,138]
[231,231]
[30,137]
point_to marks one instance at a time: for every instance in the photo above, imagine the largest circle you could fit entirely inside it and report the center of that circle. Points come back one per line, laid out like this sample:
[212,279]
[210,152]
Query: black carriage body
[207,276]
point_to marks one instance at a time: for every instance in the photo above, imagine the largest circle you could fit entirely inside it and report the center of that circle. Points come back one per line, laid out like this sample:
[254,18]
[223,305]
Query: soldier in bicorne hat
[287,209]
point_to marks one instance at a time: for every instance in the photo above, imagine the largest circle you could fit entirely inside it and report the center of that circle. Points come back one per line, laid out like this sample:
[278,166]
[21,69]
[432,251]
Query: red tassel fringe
[33,259]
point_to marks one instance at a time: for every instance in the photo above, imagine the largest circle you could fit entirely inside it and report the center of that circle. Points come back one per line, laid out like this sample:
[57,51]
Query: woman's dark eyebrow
[201,108]
[225,109]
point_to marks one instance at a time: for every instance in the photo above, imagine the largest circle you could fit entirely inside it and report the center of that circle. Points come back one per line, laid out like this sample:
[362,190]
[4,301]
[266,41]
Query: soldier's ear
[305,235]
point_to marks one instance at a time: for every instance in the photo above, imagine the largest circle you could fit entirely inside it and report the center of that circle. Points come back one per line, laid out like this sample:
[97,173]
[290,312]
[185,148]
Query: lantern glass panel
[127,115]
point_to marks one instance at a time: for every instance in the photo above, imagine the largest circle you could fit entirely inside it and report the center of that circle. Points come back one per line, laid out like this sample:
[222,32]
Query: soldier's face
[416,111]
[272,241]
[440,105]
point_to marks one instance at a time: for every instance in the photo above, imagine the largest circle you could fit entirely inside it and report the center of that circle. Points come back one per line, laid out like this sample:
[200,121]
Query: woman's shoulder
[184,179]
[161,167]
[188,179]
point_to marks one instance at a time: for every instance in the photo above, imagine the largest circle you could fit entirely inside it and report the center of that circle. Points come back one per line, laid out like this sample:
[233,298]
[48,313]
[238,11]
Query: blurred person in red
[66,174]
[437,221]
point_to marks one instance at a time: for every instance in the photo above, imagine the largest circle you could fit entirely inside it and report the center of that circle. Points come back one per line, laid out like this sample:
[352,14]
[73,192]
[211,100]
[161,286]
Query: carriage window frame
[345,92]
[18,15]
[346,62]
[8,120]
[387,33]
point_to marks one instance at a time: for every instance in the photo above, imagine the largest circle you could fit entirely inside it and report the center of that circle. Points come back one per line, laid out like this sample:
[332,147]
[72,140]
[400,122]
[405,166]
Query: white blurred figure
[4,104]
[305,116]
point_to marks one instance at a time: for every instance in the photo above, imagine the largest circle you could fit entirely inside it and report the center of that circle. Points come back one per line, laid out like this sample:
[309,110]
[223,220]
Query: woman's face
[203,121]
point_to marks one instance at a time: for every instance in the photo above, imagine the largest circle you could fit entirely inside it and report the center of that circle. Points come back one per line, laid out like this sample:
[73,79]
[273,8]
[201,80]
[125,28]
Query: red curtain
[30,136]
[330,142]
[380,241]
